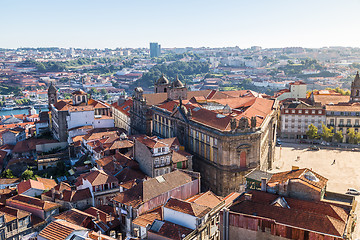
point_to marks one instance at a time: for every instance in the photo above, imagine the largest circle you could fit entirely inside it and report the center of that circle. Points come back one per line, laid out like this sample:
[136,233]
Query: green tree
[103,91]
[93,91]
[27,174]
[353,139]
[106,97]
[338,136]
[312,133]
[327,133]
[7,174]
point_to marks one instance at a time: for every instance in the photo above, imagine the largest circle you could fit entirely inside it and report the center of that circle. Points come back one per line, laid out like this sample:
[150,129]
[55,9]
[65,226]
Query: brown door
[243,159]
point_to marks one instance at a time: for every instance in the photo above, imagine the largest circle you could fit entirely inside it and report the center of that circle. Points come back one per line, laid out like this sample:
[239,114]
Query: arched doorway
[243,159]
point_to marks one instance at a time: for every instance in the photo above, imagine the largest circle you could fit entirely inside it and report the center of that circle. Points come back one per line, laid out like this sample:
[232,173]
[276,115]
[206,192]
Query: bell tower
[355,89]
[52,95]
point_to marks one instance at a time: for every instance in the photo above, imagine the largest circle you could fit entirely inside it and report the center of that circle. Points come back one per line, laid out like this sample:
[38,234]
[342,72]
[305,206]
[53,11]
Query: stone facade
[140,114]
[222,157]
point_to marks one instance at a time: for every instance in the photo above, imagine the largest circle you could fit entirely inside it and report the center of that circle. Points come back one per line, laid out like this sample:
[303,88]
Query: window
[320,111]
[342,113]
[215,142]
[207,139]
[332,113]
[292,111]
[156,162]
[167,160]
[357,122]
[341,122]
[286,111]
[306,111]
[162,159]
[348,122]
[313,111]
[300,111]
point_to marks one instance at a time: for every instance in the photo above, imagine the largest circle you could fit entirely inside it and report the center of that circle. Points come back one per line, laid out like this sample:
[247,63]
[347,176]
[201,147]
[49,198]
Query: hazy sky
[179,23]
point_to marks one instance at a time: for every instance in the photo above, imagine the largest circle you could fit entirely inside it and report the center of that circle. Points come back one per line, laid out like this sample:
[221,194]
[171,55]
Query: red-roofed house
[102,186]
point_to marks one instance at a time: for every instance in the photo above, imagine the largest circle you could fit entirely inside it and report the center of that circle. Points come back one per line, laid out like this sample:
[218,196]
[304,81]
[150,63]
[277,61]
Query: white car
[352,191]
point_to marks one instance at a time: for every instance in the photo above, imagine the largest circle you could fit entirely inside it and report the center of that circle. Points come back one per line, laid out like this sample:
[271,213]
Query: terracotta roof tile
[312,215]
[59,230]
[190,208]
[298,174]
[32,202]
[28,184]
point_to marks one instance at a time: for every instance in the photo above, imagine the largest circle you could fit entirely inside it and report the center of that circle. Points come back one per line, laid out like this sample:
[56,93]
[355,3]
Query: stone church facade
[229,133]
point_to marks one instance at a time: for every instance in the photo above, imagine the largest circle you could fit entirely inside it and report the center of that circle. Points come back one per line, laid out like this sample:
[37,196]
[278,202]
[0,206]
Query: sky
[179,23]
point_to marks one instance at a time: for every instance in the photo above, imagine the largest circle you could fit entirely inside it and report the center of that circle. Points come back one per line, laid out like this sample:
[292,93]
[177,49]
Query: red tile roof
[281,177]
[59,230]
[311,215]
[96,178]
[32,202]
[30,184]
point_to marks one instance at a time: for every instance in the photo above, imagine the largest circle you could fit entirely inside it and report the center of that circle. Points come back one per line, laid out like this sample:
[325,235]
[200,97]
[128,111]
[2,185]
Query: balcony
[341,125]
[348,125]
[107,191]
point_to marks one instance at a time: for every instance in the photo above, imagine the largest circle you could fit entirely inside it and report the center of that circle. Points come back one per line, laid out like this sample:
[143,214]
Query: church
[229,133]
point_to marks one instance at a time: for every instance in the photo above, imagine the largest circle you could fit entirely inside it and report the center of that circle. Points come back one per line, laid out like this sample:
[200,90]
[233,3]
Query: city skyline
[113,24]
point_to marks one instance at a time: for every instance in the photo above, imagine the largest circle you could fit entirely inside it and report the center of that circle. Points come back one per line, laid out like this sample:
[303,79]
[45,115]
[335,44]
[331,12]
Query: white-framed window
[286,111]
[306,111]
[215,142]
[168,160]
[156,161]
[300,111]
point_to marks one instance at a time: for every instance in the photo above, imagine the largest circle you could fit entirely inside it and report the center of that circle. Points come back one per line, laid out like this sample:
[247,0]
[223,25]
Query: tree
[312,133]
[353,136]
[327,133]
[93,91]
[7,174]
[103,91]
[339,136]
[106,97]
[27,174]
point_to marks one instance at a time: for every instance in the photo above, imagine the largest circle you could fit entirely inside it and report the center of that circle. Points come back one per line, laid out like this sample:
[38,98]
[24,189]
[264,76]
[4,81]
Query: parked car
[352,191]
[278,142]
[314,148]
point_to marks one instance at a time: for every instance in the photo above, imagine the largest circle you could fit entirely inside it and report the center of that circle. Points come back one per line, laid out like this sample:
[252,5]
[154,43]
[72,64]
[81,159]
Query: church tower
[52,95]
[355,89]
[177,90]
[161,85]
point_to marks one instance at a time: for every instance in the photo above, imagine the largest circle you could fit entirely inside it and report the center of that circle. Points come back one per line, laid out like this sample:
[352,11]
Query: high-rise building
[155,50]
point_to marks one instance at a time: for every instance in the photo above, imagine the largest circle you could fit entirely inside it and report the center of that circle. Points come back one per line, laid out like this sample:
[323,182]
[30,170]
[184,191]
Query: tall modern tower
[155,50]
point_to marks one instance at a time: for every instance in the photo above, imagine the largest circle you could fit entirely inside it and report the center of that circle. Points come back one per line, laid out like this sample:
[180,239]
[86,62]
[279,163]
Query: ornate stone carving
[243,123]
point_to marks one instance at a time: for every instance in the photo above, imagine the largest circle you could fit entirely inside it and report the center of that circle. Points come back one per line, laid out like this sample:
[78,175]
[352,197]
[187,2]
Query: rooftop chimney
[263,184]
[294,168]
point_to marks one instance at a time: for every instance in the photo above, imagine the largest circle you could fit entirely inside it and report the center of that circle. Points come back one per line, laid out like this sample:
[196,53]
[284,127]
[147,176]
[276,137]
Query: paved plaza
[343,174]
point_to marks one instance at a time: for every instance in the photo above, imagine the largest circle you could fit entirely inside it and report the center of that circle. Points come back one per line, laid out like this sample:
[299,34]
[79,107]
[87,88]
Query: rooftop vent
[220,115]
